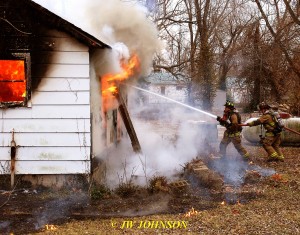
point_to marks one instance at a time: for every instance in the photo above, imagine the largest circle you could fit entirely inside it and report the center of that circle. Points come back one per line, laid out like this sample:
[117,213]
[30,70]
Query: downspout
[13,150]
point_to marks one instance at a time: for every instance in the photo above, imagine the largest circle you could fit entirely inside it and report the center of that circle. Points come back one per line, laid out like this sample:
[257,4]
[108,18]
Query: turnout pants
[236,140]
[271,146]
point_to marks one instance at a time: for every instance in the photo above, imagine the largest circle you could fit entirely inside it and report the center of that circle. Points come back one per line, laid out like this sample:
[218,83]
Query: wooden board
[62,57]
[47,167]
[61,70]
[47,153]
[47,139]
[61,98]
[47,111]
[45,125]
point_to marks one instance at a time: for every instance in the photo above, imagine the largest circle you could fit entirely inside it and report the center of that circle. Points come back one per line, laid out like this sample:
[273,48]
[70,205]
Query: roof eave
[66,26]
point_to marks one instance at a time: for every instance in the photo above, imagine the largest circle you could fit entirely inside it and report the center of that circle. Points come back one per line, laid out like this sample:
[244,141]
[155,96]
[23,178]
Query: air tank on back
[251,134]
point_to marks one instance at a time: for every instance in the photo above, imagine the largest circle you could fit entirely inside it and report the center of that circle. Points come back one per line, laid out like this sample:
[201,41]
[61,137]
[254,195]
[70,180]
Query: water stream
[175,101]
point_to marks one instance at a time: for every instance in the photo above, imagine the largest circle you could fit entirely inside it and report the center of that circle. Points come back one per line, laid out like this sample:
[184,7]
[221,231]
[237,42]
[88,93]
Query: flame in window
[109,81]
[12,80]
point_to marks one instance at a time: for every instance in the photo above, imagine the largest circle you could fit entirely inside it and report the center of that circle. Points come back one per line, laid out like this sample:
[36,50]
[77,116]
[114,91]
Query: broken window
[14,80]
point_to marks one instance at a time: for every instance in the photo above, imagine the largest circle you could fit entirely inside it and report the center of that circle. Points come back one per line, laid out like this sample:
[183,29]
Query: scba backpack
[278,127]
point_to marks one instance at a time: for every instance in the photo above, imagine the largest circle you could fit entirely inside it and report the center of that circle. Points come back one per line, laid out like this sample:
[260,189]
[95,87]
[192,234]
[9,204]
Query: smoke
[57,209]
[113,22]
[169,141]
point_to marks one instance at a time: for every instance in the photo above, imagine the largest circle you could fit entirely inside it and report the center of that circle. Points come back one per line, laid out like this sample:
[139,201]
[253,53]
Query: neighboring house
[46,101]
[166,84]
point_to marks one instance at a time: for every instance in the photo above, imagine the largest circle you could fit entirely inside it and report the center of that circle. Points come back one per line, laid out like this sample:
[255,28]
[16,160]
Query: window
[162,90]
[14,80]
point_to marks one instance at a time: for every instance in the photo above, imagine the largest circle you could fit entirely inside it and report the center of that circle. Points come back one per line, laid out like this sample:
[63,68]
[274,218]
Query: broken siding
[53,135]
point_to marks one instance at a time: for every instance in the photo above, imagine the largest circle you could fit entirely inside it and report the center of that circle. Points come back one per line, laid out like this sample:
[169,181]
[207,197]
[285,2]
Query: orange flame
[191,212]
[50,227]
[109,82]
[278,177]
[12,80]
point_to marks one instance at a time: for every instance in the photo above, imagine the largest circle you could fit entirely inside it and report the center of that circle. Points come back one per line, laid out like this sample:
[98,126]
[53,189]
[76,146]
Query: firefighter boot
[280,158]
[273,157]
[246,157]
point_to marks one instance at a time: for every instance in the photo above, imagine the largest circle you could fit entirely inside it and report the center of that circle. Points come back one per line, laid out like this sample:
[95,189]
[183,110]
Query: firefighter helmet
[229,104]
[263,105]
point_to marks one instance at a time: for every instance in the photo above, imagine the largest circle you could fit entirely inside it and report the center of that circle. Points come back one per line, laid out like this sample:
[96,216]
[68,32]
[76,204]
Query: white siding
[53,133]
[49,167]
[63,84]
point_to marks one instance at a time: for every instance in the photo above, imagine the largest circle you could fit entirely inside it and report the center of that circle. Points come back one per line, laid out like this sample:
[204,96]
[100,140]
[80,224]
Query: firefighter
[231,120]
[272,138]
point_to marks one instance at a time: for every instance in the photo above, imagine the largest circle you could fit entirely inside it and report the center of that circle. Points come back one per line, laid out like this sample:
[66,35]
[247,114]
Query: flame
[191,212]
[109,82]
[223,203]
[277,177]
[12,80]
[50,227]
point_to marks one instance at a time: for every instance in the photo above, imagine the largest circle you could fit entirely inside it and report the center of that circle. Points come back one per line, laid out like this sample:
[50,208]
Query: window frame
[25,56]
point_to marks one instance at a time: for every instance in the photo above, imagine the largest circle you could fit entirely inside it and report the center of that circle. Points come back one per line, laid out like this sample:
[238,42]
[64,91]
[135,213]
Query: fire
[50,227]
[277,177]
[191,212]
[109,82]
[12,80]
[223,203]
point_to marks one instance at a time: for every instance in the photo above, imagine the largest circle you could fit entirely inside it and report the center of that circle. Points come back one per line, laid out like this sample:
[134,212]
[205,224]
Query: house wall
[53,134]
[170,91]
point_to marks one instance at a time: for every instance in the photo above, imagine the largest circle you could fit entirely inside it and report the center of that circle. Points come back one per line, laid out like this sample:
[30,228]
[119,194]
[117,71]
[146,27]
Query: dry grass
[275,211]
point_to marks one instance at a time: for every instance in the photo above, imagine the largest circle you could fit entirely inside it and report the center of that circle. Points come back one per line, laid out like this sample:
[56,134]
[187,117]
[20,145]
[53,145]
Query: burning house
[50,118]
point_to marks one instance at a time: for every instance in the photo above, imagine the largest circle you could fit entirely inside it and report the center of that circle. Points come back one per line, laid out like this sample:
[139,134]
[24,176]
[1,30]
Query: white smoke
[125,27]
[112,22]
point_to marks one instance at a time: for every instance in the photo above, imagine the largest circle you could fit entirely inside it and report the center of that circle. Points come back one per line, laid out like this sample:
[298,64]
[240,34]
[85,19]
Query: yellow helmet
[229,104]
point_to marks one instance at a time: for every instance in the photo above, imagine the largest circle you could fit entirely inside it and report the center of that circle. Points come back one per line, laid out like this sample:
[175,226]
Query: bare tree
[198,23]
[212,41]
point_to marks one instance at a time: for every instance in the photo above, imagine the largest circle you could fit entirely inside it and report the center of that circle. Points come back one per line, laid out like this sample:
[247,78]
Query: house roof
[166,78]
[56,21]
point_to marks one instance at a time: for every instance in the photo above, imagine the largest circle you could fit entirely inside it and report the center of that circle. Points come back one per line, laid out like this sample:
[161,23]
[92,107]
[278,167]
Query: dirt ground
[267,204]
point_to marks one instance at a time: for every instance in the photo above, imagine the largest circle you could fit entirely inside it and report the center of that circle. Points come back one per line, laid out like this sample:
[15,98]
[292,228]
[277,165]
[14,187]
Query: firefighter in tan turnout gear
[231,120]
[272,138]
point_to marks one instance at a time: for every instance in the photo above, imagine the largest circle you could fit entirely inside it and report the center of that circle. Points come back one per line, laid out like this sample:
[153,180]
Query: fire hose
[286,128]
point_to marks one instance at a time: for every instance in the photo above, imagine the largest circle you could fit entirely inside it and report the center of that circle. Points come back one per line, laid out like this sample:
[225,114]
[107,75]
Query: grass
[275,211]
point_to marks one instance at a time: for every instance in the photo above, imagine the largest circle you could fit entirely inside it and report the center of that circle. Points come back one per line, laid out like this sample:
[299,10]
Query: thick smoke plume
[120,24]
